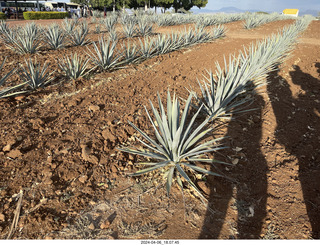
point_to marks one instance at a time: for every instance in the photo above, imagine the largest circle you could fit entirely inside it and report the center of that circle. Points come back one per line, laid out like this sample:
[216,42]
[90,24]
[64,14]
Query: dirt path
[59,145]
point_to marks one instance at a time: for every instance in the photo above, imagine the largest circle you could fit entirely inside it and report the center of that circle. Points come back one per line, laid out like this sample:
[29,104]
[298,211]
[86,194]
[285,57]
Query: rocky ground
[59,147]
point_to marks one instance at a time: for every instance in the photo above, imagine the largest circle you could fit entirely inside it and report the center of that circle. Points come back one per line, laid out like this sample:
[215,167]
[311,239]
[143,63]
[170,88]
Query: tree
[166,4]
[188,4]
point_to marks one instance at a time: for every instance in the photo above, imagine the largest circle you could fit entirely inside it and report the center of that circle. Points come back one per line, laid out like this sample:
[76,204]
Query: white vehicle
[56,5]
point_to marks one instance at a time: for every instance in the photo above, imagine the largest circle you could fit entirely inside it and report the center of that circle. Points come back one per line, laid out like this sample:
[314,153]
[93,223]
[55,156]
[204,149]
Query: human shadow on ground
[298,130]
[247,195]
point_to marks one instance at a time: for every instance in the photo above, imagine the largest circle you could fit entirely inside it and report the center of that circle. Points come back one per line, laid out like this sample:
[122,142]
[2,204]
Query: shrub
[44,15]
[2,16]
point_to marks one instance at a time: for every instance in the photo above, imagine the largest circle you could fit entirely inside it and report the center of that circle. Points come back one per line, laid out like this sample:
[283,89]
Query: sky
[265,5]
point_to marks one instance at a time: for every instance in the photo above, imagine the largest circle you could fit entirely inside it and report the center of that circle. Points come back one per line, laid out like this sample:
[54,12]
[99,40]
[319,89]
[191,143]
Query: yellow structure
[291,12]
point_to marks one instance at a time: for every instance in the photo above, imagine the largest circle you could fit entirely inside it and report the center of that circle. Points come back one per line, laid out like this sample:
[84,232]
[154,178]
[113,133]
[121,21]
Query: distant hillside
[309,11]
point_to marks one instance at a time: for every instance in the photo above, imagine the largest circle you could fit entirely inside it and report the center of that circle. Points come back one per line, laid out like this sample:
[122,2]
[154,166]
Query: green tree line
[135,4]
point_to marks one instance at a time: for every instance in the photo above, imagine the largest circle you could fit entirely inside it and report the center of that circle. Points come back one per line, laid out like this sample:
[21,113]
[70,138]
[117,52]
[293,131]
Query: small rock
[2,217]
[48,238]
[107,135]
[14,154]
[105,225]
[19,98]
[83,178]
[235,161]
[110,238]
[91,226]
[94,108]
[238,149]
[7,148]
[49,159]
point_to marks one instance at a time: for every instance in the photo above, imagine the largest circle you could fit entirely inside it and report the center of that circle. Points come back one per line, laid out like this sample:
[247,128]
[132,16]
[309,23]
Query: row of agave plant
[105,57]
[172,20]
[31,37]
[255,20]
[177,143]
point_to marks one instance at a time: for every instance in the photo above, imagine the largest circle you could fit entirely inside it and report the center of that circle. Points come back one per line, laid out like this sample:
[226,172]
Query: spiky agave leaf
[55,36]
[163,44]
[74,66]
[219,31]
[4,78]
[145,27]
[34,75]
[9,91]
[4,27]
[26,39]
[147,48]
[130,53]
[129,29]
[176,143]
[79,35]
[113,35]
[104,55]
[69,25]
[110,22]
[232,87]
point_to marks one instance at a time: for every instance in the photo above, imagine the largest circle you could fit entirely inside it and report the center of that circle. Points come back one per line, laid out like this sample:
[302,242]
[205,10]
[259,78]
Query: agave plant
[219,31]
[129,29]
[104,55]
[93,20]
[6,77]
[79,35]
[130,53]
[97,14]
[4,27]
[74,66]
[176,144]
[69,25]
[219,95]
[110,23]
[9,35]
[163,44]
[55,36]
[232,87]
[26,39]
[7,92]
[97,29]
[35,76]
[147,48]
[113,35]
[145,27]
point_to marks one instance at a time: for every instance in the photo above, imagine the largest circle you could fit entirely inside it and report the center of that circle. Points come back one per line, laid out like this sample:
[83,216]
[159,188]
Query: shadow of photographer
[247,195]
[298,130]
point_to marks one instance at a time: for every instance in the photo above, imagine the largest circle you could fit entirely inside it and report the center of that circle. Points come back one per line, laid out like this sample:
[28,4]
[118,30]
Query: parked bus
[55,5]
[22,5]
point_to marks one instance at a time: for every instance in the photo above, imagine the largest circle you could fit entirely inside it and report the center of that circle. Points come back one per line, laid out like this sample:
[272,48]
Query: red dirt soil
[58,145]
